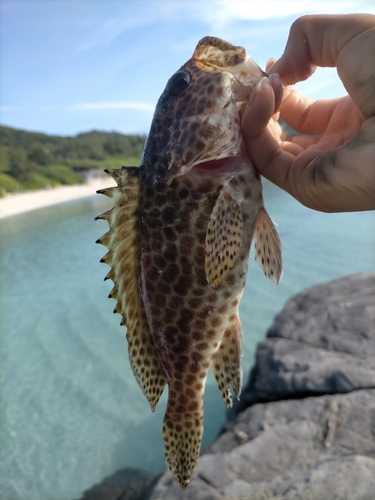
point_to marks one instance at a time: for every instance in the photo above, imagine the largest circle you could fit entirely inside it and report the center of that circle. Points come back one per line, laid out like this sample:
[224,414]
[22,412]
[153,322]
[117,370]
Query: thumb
[261,143]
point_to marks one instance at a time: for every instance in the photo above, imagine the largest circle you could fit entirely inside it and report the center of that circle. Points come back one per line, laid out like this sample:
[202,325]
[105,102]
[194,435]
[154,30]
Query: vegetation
[30,160]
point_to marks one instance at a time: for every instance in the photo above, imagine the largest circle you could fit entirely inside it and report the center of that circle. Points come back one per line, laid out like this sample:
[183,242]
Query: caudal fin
[182,433]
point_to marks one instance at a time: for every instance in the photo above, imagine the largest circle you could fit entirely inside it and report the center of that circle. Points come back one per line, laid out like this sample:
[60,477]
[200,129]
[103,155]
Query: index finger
[316,40]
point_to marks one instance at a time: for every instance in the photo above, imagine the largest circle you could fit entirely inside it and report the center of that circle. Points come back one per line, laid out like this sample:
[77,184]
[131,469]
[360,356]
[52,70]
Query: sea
[71,412]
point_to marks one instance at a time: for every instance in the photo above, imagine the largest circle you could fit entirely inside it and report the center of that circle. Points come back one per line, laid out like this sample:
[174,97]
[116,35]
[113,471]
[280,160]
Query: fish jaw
[198,121]
[215,54]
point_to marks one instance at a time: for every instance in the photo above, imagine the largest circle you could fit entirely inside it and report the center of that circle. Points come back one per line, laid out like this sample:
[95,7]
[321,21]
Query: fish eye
[179,82]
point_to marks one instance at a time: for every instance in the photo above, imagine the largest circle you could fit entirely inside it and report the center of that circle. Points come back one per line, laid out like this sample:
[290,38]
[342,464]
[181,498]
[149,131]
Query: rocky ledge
[305,427]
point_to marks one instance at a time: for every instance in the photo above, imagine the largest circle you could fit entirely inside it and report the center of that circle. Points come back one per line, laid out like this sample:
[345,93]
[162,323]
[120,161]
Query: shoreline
[18,203]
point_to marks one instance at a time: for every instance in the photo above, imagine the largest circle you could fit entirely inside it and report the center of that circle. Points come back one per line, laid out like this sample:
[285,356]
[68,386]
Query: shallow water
[71,411]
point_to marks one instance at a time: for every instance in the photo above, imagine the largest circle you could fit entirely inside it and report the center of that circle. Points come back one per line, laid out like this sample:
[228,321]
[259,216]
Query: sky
[70,66]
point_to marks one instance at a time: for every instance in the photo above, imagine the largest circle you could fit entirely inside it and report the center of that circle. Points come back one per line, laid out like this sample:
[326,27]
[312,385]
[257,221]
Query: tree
[18,165]
[38,154]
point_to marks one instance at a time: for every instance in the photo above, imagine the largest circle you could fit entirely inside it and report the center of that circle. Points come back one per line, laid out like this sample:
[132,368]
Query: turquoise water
[71,411]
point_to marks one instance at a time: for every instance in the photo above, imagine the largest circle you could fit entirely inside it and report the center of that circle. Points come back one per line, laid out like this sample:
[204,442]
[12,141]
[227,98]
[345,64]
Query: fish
[179,238]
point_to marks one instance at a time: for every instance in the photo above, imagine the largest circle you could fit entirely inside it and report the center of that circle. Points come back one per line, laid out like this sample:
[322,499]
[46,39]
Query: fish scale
[179,240]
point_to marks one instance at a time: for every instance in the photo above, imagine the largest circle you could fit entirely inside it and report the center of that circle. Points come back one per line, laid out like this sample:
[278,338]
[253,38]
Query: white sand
[13,204]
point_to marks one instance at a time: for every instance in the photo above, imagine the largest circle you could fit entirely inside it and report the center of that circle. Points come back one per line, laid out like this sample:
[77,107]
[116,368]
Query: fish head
[196,118]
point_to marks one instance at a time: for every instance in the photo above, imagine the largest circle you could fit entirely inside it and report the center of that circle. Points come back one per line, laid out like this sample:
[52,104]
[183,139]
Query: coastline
[13,204]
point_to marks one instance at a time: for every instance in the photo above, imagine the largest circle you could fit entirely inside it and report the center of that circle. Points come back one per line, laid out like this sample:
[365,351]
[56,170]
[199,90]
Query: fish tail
[182,433]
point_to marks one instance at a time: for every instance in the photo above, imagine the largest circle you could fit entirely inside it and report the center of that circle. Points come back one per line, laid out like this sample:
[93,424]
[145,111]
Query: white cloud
[217,14]
[123,17]
[220,13]
[235,10]
[110,29]
[141,106]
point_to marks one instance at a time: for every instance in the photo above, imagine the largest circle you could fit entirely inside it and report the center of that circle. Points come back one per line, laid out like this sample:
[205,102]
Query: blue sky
[69,66]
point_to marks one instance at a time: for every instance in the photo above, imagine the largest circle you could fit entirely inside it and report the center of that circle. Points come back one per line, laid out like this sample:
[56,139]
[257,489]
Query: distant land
[32,160]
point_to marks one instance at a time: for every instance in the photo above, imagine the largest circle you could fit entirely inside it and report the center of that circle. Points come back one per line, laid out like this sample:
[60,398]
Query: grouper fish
[179,240]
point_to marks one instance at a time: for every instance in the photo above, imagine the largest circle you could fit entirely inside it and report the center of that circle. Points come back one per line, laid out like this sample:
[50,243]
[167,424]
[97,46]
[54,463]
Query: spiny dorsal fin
[268,247]
[123,257]
[226,364]
[223,238]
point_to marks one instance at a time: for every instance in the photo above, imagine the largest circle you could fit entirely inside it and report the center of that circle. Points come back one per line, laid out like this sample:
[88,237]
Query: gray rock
[315,448]
[125,484]
[323,342]
[307,428]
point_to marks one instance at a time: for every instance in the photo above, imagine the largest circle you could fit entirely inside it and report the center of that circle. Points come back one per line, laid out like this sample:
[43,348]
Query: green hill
[31,160]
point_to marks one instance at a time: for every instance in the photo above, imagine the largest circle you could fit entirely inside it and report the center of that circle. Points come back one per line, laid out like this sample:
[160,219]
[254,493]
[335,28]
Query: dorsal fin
[123,258]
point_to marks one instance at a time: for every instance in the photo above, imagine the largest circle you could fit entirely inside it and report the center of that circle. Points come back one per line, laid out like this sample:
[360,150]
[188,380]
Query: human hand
[331,166]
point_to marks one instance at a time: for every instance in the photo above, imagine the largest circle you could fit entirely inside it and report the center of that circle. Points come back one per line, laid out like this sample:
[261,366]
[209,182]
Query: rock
[306,430]
[323,342]
[125,484]
[314,448]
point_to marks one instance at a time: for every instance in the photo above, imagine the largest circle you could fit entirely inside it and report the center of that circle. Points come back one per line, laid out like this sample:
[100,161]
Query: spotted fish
[179,240]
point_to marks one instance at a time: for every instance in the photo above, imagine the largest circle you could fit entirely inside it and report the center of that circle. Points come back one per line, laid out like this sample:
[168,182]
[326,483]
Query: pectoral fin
[223,238]
[123,258]
[268,247]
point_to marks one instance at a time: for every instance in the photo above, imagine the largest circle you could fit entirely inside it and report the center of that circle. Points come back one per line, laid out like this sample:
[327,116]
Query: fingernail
[258,86]
[275,79]
[271,61]
[273,76]
[278,90]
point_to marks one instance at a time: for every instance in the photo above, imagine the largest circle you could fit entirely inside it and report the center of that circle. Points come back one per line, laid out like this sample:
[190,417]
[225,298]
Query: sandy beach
[13,204]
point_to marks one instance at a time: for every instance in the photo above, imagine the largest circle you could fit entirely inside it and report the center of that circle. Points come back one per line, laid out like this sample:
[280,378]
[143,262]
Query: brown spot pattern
[182,313]
[189,324]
